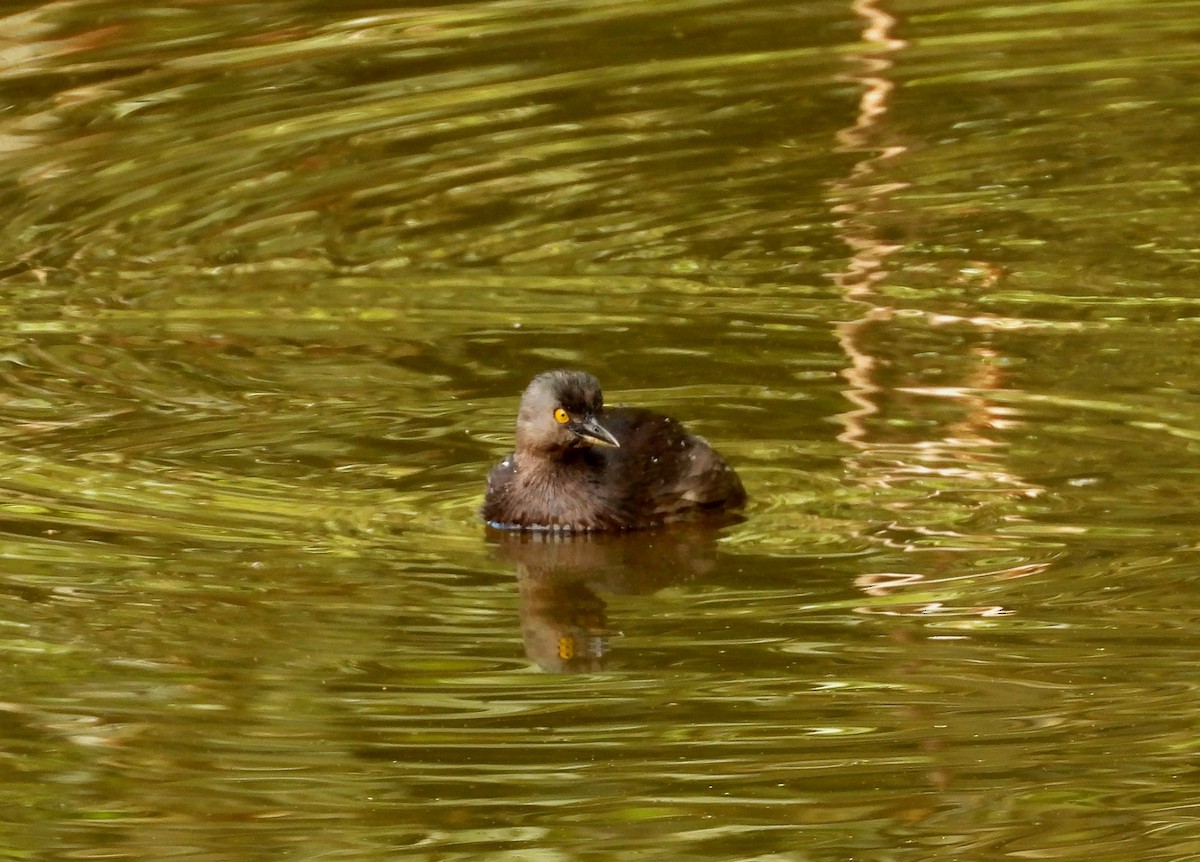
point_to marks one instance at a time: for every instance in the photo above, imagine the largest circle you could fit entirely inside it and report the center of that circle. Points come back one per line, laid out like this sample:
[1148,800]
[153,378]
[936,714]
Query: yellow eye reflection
[561,416]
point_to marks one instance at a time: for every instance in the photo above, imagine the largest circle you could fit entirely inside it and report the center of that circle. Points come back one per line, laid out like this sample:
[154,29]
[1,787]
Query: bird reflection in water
[560,577]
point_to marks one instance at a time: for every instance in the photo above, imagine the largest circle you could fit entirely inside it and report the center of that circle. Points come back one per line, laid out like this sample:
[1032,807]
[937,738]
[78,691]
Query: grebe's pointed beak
[593,432]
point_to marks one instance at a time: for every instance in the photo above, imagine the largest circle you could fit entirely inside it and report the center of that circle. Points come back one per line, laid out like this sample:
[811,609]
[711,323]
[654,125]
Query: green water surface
[273,275]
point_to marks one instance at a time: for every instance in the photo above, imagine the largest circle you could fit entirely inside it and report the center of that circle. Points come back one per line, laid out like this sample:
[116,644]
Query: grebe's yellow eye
[561,416]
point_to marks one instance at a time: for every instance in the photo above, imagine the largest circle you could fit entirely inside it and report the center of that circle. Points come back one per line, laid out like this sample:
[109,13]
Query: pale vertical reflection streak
[857,195]
[957,452]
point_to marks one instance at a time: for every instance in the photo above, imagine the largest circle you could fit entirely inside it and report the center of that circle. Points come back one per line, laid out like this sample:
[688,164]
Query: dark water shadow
[564,620]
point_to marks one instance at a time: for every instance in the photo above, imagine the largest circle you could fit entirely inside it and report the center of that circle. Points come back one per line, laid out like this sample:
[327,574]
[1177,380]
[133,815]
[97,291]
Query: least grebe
[580,466]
